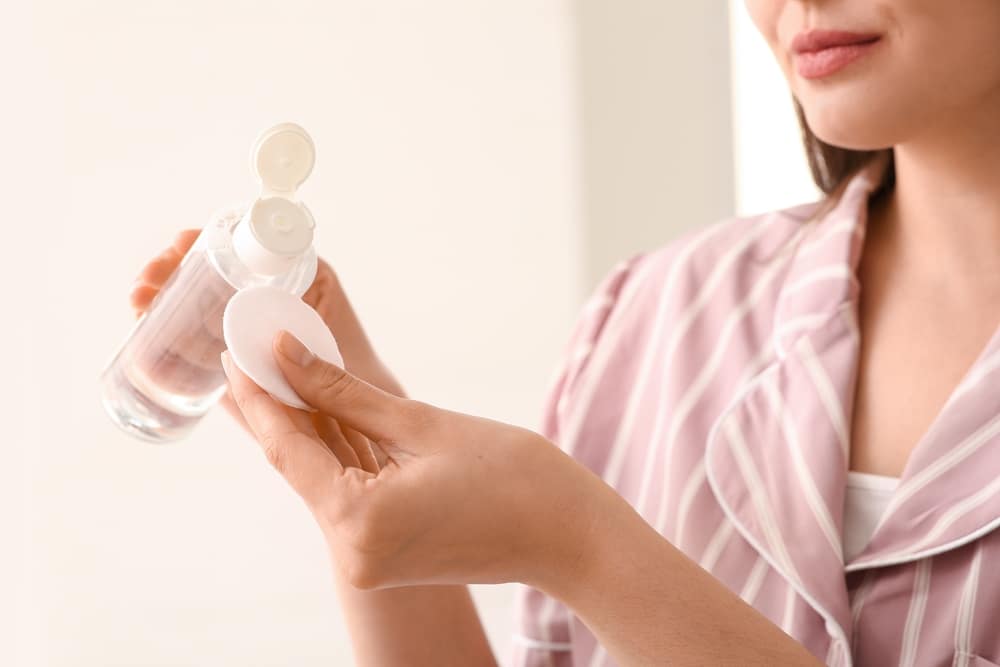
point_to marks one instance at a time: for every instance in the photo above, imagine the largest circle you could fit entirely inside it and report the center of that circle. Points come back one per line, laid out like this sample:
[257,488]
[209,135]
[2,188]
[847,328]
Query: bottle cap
[251,320]
[283,157]
[273,234]
[276,230]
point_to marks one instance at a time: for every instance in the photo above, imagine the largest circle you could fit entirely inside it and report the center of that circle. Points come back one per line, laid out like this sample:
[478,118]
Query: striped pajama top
[711,383]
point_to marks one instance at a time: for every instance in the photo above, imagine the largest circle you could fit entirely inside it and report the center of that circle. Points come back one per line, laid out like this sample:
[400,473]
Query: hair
[832,166]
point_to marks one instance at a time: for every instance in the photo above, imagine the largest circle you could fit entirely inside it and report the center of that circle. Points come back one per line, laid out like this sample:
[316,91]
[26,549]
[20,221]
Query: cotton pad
[253,317]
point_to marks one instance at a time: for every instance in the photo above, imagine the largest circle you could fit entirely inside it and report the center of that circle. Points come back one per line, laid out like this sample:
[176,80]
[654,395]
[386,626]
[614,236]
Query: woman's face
[907,65]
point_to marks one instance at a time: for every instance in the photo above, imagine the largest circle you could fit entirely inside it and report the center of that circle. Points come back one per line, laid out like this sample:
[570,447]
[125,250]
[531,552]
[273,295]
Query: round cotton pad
[253,317]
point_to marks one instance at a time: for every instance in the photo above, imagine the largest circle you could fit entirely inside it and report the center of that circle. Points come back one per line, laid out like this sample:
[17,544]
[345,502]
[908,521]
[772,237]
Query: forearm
[416,626]
[432,626]
[648,604]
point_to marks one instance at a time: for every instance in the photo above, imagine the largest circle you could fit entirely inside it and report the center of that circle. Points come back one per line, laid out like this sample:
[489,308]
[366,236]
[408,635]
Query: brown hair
[832,166]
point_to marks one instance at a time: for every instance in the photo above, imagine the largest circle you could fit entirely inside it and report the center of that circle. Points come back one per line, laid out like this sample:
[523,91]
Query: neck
[945,209]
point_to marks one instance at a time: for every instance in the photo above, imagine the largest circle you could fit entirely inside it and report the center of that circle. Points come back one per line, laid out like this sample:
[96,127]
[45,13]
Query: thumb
[381,416]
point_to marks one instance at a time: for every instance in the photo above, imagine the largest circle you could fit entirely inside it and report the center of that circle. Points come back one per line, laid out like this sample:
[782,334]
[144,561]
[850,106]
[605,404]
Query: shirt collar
[777,457]
[822,275]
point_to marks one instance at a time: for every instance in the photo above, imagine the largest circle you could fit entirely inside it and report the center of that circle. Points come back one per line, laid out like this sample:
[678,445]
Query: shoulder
[728,252]
[709,269]
[635,315]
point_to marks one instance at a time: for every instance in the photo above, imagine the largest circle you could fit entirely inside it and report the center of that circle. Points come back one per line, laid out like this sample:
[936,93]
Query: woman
[714,399]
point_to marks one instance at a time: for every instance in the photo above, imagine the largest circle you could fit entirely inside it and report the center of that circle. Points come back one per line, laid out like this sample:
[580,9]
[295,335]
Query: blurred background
[481,165]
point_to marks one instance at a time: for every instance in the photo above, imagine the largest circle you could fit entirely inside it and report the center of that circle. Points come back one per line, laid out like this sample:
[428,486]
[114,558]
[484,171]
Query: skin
[421,618]
[426,508]
[930,90]
[408,494]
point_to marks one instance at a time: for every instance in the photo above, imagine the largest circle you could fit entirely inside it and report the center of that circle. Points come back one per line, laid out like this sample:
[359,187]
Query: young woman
[780,435]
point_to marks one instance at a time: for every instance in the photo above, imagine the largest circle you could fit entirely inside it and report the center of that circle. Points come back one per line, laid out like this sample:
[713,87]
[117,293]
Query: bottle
[168,373]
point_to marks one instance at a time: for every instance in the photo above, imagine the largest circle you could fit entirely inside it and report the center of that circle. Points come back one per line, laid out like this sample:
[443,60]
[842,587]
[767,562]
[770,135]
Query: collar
[777,456]
[822,276]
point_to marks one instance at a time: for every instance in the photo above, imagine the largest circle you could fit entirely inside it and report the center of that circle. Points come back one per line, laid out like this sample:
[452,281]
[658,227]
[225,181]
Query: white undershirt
[864,504]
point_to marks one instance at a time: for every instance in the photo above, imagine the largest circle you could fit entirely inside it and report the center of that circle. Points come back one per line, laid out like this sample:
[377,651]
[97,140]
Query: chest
[913,355]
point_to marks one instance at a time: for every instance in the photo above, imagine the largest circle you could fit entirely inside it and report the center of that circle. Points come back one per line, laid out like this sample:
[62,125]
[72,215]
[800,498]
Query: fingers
[350,447]
[381,458]
[141,296]
[229,403]
[159,269]
[327,296]
[185,239]
[349,400]
[156,273]
[331,434]
[287,438]
[362,448]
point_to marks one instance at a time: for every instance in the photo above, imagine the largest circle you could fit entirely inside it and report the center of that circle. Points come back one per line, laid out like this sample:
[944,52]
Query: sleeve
[585,337]
[542,624]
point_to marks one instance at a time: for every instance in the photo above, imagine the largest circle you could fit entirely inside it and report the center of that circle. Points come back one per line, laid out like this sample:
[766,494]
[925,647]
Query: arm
[463,499]
[423,626]
[418,626]
[648,604]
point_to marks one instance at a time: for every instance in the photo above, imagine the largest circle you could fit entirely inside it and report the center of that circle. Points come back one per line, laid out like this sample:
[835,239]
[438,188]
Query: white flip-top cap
[276,230]
[283,157]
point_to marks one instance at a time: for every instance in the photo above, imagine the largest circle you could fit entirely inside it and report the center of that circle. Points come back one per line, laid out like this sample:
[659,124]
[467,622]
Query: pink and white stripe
[712,383]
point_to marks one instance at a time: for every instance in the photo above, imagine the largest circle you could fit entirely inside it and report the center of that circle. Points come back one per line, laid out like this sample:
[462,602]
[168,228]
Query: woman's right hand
[325,295]
[381,622]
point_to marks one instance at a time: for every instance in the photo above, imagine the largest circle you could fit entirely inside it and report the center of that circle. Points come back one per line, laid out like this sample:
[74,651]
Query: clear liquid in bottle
[168,373]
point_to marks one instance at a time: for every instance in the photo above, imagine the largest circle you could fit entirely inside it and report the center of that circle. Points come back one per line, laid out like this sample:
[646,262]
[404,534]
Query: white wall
[469,189]
[770,165]
[655,108]
[445,192]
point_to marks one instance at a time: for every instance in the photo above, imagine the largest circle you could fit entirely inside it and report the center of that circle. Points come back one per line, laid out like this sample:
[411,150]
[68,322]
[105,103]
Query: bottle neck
[273,235]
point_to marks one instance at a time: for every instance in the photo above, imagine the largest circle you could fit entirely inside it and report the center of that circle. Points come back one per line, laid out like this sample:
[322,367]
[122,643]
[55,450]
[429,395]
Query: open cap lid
[276,230]
[283,157]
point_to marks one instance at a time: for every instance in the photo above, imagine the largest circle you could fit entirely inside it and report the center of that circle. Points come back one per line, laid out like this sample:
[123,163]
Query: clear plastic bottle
[167,374]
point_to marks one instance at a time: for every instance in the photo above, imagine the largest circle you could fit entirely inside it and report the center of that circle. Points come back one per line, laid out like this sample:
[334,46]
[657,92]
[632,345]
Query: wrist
[587,541]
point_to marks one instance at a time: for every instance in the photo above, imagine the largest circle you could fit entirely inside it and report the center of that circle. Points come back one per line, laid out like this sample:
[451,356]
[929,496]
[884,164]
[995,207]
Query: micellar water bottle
[167,374]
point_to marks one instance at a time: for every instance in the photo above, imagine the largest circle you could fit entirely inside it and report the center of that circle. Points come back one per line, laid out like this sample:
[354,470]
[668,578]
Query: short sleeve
[543,625]
[583,339]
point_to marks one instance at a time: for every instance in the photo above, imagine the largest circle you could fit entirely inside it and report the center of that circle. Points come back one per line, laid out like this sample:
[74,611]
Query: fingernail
[293,350]
[225,360]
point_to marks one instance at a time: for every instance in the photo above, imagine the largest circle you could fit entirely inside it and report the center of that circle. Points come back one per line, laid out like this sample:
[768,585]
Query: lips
[821,53]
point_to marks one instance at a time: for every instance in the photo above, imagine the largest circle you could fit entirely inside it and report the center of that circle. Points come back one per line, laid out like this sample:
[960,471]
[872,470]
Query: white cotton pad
[253,317]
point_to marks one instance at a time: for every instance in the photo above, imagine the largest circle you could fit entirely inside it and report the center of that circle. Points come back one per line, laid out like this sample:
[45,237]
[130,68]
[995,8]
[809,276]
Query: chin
[854,125]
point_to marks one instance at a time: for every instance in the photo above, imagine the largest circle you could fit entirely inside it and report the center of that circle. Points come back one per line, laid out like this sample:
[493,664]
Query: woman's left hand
[455,498]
